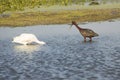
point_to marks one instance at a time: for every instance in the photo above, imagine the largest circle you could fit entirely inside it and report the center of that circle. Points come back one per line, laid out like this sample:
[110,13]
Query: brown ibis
[86,33]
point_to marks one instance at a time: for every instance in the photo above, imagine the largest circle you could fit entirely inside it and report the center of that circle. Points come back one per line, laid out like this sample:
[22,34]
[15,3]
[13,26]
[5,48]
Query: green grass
[62,15]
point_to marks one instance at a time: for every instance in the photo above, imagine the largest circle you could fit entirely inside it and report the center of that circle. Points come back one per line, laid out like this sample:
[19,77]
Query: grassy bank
[61,16]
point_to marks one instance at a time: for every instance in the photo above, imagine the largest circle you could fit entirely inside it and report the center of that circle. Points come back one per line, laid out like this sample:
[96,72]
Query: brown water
[65,56]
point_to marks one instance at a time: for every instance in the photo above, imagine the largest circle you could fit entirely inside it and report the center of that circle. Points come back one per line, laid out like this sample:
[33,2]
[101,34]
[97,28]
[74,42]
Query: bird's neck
[77,27]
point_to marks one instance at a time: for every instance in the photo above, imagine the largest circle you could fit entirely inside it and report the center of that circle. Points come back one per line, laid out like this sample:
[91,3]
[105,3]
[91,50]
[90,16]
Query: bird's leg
[84,39]
[90,39]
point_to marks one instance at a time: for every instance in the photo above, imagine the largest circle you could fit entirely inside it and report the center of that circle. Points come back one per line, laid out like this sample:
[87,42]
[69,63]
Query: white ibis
[26,38]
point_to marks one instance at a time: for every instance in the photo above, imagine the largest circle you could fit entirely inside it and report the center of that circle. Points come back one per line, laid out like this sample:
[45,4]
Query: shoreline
[89,14]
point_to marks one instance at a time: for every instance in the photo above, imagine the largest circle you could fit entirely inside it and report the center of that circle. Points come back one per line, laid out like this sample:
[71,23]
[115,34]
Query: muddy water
[65,56]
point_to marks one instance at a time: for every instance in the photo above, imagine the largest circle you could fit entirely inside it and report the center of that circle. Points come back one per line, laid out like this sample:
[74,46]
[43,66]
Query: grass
[61,15]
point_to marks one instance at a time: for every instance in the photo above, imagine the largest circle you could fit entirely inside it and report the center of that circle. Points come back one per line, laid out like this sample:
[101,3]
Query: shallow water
[65,56]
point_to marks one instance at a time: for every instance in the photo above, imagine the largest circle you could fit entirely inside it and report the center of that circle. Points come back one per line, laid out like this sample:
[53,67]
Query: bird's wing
[90,32]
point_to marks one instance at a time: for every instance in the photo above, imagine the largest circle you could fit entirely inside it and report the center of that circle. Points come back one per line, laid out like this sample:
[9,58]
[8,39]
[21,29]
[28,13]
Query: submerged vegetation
[53,12]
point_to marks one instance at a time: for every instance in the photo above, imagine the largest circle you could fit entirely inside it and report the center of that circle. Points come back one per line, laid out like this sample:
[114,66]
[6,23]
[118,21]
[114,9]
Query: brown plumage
[86,33]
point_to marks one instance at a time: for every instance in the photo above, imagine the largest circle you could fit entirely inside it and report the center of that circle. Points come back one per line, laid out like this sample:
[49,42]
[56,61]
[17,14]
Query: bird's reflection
[27,48]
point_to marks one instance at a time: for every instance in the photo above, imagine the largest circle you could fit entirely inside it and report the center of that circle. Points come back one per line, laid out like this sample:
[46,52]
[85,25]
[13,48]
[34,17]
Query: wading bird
[26,38]
[86,33]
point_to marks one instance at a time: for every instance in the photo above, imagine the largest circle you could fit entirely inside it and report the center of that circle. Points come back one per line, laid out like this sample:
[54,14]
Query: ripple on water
[64,57]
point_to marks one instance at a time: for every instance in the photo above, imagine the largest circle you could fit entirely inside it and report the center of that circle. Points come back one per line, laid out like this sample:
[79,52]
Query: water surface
[65,56]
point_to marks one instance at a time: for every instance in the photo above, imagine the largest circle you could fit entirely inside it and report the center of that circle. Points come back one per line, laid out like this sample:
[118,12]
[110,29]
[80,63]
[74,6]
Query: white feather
[26,38]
